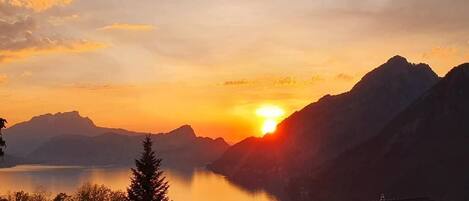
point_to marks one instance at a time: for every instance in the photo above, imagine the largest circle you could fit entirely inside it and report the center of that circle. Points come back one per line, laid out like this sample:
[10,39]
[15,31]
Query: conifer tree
[2,142]
[148,182]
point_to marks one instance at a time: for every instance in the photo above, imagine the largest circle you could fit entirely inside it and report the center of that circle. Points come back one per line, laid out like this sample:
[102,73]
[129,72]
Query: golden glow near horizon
[153,65]
[271,115]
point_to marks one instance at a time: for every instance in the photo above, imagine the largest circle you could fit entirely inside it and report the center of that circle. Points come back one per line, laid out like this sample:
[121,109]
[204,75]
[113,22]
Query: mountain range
[398,131]
[422,152]
[401,131]
[70,139]
[324,129]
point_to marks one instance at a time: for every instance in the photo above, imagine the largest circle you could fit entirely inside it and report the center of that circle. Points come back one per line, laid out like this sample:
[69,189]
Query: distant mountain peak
[396,72]
[40,128]
[460,72]
[72,117]
[397,60]
[324,129]
[455,85]
[55,124]
[185,130]
[432,131]
[71,113]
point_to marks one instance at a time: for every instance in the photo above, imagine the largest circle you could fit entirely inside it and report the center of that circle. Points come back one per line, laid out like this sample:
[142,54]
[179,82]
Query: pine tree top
[148,182]
[2,142]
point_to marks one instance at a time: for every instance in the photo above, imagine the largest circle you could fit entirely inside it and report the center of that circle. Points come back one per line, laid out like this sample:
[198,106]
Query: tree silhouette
[148,182]
[61,197]
[2,142]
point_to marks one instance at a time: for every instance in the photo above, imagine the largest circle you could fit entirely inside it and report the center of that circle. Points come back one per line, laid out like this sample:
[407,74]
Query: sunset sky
[153,65]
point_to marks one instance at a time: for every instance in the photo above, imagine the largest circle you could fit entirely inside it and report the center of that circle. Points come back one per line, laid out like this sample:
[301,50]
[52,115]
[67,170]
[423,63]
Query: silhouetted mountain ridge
[70,139]
[421,152]
[324,129]
[116,149]
[396,69]
[26,136]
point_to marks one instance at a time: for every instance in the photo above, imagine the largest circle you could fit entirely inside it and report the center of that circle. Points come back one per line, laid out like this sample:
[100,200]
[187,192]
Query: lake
[195,185]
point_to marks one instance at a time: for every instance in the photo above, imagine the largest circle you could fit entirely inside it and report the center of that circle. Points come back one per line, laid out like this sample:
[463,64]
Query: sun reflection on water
[196,185]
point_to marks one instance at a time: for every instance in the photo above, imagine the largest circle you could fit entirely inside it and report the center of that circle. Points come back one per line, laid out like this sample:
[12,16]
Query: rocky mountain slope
[324,129]
[422,152]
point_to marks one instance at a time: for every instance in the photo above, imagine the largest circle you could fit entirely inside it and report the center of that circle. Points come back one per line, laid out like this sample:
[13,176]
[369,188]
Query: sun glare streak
[270,111]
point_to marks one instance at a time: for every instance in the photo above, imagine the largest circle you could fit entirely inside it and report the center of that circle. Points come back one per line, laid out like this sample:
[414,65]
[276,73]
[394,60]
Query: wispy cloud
[91,86]
[285,81]
[278,81]
[48,48]
[100,87]
[19,41]
[128,27]
[60,20]
[237,82]
[343,76]
[316,78]
[36,5]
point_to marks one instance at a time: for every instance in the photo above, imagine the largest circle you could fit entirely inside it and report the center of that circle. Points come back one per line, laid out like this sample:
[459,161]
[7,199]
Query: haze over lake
[196,185]
[234,100]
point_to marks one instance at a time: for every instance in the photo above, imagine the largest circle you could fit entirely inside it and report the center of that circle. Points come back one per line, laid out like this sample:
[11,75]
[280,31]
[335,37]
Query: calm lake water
[197,185]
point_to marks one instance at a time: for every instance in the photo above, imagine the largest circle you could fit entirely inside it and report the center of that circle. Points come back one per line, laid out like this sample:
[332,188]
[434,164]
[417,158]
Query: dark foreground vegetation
[2,142]
[86,192]
[147,184]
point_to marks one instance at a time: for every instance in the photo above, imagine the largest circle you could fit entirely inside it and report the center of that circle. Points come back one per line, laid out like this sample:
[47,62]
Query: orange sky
[153,65]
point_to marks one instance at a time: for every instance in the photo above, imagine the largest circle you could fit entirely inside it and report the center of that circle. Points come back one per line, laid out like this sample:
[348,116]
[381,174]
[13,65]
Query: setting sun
[234,100]
[270,115]
[269,126]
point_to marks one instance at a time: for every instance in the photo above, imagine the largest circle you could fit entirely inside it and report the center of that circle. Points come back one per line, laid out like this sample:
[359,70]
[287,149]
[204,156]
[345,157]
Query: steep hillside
[324,129]
[422,152]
